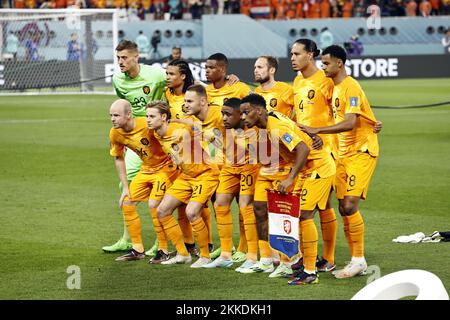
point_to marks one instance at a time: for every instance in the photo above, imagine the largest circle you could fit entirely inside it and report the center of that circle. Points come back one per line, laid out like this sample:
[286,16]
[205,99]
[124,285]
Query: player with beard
[279,95]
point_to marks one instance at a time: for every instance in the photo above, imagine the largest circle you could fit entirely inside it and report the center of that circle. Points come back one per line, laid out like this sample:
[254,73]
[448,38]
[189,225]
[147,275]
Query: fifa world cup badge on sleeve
[284,212]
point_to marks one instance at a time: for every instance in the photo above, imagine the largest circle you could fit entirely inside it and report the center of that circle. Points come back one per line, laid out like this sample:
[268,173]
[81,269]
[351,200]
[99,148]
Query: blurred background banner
[72,50]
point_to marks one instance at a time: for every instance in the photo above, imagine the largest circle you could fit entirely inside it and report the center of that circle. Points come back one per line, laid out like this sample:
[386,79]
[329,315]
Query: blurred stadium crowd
[258,9]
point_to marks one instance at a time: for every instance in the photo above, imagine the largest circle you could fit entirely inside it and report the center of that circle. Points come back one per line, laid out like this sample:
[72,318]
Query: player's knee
[245,202]
[128,202]
[305,215]
[162,211]
[222,200]
[153,204]
[348,208]
[192,215]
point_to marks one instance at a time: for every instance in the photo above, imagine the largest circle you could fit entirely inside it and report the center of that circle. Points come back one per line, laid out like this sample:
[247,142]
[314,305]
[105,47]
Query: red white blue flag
[284,211]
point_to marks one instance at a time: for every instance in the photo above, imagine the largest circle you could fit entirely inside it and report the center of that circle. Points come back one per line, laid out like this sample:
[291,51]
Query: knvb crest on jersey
[336,103]
[175,147]
[146,89]
[311,94]
[273,102]
[145,141]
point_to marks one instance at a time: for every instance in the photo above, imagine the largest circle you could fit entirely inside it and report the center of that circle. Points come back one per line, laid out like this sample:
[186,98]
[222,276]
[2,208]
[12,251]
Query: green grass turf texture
[59,192]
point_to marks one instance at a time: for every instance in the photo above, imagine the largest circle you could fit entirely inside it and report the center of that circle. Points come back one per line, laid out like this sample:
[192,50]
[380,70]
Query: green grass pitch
[59,192]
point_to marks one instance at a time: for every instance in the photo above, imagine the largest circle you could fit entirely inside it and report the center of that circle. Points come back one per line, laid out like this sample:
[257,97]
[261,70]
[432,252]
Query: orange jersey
[348,97]
[279,98]
[312,101]
[185,150]
[219,96]
[241,147]
[146,4]
[176,104]
[119,3]
[320,163]
[212,131]
[143,142]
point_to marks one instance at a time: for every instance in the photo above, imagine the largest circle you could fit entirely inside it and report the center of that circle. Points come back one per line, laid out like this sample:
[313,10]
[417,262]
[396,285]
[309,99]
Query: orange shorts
[238,180]
[145,186]
[314,193]
[353,175]
[199,189]
[269,180]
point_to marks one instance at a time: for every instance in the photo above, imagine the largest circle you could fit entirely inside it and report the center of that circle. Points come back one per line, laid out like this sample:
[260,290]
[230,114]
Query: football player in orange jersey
[220,87]
[279,95]
[155,175]
[219,90]
[297,160]
[312,102]
[195,185]
[358,153]
[178,78]
[237,179]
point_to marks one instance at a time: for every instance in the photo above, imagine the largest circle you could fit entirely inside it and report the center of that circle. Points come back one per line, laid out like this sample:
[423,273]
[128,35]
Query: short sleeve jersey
[279,98]
[312,100]
[143,142]
[348,97]
[241,147]
[176,103]
[213,133]
[289,136]
[185,151]
[147,86]
[219,96]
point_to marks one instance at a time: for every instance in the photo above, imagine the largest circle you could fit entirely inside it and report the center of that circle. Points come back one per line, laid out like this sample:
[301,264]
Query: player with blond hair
[196,183]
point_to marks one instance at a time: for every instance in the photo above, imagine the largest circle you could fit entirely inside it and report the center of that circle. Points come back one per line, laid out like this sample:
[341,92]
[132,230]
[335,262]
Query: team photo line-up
[180,144]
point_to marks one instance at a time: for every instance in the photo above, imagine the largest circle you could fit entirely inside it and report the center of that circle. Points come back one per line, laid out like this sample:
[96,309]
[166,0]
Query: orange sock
[309,239]
[347,234]
[173,232]
[265,251]
[160,234]
[356,231]
[300,243]
[133,223]
[328,224]
[225,228]
[185,225]
[242,247]
[251,234]
[206,216]
[201,235]
[284,258]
